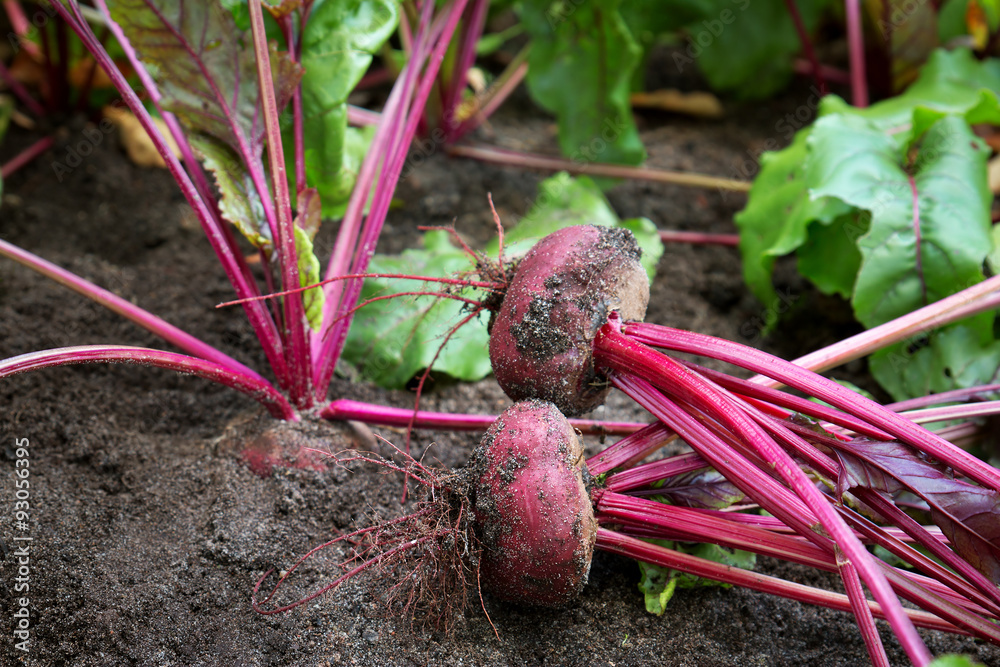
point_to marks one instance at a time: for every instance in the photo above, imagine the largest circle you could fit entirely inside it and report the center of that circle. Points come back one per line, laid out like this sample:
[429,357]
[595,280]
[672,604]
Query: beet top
[534,515]
[561,294]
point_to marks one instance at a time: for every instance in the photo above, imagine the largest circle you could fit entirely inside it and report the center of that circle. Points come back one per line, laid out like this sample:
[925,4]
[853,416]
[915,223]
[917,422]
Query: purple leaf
[968,514]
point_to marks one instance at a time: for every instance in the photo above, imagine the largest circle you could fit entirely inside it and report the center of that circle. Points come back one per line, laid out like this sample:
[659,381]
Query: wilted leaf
[137,144]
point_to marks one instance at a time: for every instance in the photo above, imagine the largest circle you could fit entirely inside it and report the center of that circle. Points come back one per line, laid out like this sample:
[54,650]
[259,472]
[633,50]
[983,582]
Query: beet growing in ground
[149,531]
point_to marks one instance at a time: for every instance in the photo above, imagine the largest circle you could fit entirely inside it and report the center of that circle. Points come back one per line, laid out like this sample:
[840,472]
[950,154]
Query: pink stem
[820,387]
[862,613]
[440,35]
[699,238]
[472,29]
[630,450]
[255,387]
[346,409]
[26,156]
[20,91]
[617,351]
[944,397]
[807,47]
[296,343]
[856,46]
[631,547]
[219,236]
[125,308]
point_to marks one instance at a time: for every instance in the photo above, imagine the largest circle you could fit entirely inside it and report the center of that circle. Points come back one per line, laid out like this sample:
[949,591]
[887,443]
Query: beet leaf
[969,515]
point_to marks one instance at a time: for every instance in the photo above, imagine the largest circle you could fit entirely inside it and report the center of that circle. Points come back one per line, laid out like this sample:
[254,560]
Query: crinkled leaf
[930,211]
[239,202]
[579,68]
[659,583]
[565,201]
[953,358]
[748,47]
[779,214]
[706,489]
[392,340]
[969,515]
[309,270]
[337,49]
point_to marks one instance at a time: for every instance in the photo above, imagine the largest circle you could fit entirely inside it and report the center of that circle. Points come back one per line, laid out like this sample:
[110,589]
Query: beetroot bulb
[533,514]
[561,294]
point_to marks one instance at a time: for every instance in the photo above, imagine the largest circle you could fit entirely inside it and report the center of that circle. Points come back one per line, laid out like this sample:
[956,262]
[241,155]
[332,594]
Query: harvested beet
[561,294]
[534,515]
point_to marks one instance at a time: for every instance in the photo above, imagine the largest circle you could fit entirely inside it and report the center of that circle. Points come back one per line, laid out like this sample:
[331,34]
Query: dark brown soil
[148,530]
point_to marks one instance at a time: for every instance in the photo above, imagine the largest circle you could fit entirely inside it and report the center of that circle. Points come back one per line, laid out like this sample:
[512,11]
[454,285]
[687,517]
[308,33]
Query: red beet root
[534,515]
[561,294]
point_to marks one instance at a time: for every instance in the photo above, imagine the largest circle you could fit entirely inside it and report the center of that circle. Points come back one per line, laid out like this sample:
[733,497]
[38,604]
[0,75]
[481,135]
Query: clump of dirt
[149,531]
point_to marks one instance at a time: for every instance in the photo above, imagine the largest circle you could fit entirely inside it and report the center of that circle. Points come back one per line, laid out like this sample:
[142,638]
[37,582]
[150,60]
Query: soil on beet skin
[150,520]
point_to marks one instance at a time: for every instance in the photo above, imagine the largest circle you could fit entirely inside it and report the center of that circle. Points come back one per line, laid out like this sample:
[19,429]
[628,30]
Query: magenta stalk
[546,163]
[380,415]
[819,387]
[439,36]
[698,238]
[856,47]
[610,541]
[125,308]
[26,156]
[296,343]
[255,387]
[218,235]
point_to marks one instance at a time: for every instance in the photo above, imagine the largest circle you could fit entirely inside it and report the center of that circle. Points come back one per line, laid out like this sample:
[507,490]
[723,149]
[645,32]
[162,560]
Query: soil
[149,529]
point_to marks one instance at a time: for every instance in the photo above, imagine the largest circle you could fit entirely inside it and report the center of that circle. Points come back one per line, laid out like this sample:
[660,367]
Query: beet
[534,515]
[561,294]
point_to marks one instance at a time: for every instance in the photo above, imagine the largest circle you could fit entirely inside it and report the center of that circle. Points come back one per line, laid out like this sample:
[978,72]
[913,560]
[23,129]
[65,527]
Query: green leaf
[309,270]
[954,660]
[390,341]
[777,215]
[748,47]
[953,358]
[830,257]
[565,201]
[579,68]
[337,49]
[658,584]
[930,211]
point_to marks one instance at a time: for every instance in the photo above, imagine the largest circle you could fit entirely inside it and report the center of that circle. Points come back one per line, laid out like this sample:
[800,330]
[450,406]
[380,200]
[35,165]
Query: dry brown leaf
[993,174]
[138,146]
[700,104]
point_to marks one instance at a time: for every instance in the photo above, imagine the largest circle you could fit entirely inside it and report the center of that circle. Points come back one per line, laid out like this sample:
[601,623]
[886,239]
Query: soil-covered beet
[534,518]
[149,528]
[565,287]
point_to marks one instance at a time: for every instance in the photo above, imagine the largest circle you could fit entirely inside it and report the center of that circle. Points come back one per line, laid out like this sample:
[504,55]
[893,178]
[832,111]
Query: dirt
[148,530]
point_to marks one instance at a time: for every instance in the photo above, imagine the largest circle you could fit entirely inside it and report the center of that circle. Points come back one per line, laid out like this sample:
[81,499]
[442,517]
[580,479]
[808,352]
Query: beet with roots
[561,294]
[534,515]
